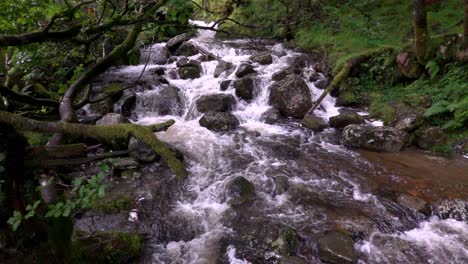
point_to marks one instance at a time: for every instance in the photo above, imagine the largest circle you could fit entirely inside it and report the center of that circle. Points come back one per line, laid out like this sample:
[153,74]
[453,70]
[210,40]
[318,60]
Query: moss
[115,205]
[445,150]
[113,88]
[347,98]
[382,110]
[107,247]
[36,139]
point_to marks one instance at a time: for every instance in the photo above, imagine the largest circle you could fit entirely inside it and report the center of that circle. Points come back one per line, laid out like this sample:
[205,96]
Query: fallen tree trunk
[50,163]
[103,133]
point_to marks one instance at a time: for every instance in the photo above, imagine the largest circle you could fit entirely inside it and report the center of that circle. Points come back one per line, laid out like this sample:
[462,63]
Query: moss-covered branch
[26,99]
[102,133]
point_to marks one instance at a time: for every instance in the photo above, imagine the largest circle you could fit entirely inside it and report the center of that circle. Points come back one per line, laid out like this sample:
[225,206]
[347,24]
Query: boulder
[342,120]
[245,69]
[240,191]
[223,66]
[189,73]
[166,101]
[408,65]
[382,139]
[291,97]
[185,62]
[314,122]
[271,116]
[263,58]
[141,151]
[281,75]
[219,121]
[224,85]
[102,107]
[112,119]
[215,103]
[430,137]
[186,49]
[336,248]
[174,43]
[245,88]
[322,83]
[157,71]
[128,105]
[158,55]
[407,121]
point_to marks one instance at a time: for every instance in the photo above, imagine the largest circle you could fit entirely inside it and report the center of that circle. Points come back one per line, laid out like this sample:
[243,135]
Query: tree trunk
[103,133]
[420,30]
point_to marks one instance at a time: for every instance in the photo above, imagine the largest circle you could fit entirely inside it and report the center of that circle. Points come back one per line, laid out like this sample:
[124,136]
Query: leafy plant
[432,68]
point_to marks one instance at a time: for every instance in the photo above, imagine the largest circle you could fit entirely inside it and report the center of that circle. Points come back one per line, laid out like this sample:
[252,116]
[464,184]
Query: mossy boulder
[281,75]
[245,88]
[107,247]
[381,139]
[430,137]
[291,97]
[215,103]
[185,62]
[263,58]
[337,248]
[219,121]
[186,49]
[174,43]
[245,69]
[314,122]
[240,191]
[342,120]
[189,73]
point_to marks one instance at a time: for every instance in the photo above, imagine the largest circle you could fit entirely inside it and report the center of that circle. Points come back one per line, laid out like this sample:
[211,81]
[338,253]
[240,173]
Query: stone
[223,66]
[224,85]
[292,260]
[291,97]
[281,184]
[244,69]
[125,164]
[166,101]
[245,88]
[185,62]
[102,107]
[157,71]
[337,248]
[263,58]
[407,121]
[128,105]
[215,103]
[281,75]
[322,83]
[219,121]
[240,191]
[271,116]
[342,120]
[186,49]
[408,65]
[158,55]
[174,43]
[380,139]
[189,73]
[112,119]
[141,151]
[313,122]
[454,209]
[411,202]
[430,137]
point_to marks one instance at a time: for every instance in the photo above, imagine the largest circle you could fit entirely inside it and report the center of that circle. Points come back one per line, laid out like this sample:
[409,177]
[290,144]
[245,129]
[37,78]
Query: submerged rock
[337,248]
[343,120]
[245,69]
[383,139]
[314,122]
[245,88]
[263,58]
[291,97]
[215,103]
[219,121]
[112,119]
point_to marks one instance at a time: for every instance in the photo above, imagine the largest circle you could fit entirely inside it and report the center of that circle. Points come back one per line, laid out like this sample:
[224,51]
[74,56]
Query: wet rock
[314,122]
[292,260]
[382,139]
[185,62]
[322,83]
[166,101]
[189,73]
[430,137]
[454,209]
[174,43]
[223,66]
[281,75]
[215,103]
[112,119]
[312,75]
[337,248]
[186,49]
[412,203]
[101,108]
[408,65]
[207,57]
[141,151]
[299,61]
[281,184]
[291,96]
[240,191]
[408,121]
[271,116]
[345,119]
[263,58]
[125,164]
[157,71]
[219,121]
[224,85]
[158,55]
[245,88]
[128,105]
[245,69]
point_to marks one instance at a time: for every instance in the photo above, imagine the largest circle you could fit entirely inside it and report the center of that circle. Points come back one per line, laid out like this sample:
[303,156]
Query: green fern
[438,108]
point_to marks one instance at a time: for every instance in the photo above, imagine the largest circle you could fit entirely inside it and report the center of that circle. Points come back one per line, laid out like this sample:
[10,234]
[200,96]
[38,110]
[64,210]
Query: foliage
[83,195]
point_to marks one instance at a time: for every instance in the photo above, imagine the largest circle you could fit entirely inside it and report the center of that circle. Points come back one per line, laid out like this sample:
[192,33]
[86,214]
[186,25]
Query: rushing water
[328,185]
